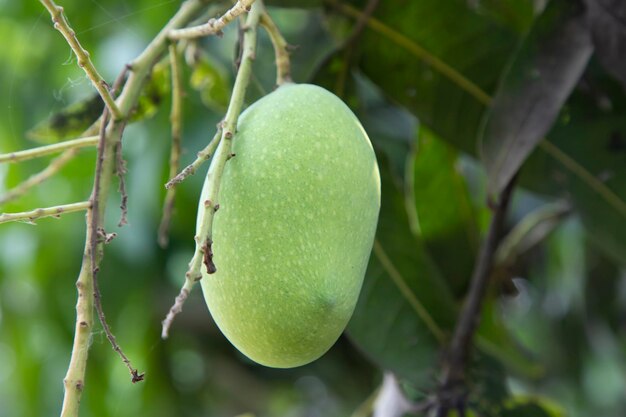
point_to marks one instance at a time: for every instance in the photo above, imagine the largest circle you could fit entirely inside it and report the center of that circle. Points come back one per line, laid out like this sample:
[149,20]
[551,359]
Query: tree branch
[203,252]
[176,122]
[213,26]
[55,211]
[40,151]
[452,393]
[140,69]
[62,25]
[54,167]
[204,155]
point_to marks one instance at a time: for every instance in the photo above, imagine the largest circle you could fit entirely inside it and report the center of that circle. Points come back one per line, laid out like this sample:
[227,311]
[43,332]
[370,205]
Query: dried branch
[176,122]
[140,69]
[62,25]
[213,26]
[281,49]
[120,171]
[452,392]
[203,155]
[204,236]
[40,151]
[55,211]
[55,166]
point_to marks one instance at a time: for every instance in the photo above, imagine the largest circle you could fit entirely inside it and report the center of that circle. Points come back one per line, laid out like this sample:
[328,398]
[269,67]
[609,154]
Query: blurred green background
[555,319]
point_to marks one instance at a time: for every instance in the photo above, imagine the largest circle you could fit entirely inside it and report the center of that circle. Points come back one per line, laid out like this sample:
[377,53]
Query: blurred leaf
[541,77]
[211,81]
[523,407]
[440,201]
[153,93]
[583,161]
[70,122]
[495,340]
[608,28]
[530,231]
[391,128]
[515,14]
[404,304]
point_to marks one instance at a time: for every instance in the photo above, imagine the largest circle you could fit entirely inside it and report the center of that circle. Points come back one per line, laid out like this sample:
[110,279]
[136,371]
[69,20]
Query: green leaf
[583,160]
[440,75]
[210,79]
[70,122]
[443,210]
[542,75]
[606,19]
[405,304]
[530,231]
[443,78]
[154,92]
[533,407]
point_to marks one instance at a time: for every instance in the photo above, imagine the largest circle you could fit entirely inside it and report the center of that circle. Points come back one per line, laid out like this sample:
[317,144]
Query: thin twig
[204,155]
[452,393]
[55,211]
[176,122]
[120,171]
[62,25]
[204,236]
[40,151]
[55,166]
[281,49]
[140,70]
[213,26]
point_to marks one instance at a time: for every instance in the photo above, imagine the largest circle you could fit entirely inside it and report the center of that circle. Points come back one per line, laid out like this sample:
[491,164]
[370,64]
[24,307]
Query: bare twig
[452,393]
[213,26]
[54,167]
[48,149]
[56,211]
[204,234]
[203,155]
[281,49]
[140,69]
[120,171]
[63,26]
[176,122]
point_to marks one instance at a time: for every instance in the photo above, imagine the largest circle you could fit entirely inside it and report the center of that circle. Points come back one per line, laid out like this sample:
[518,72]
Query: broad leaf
[443,78]
[541,77]
[405,305]
[608,27]
[441,75]
[443,209]
[209,78]
[583,160]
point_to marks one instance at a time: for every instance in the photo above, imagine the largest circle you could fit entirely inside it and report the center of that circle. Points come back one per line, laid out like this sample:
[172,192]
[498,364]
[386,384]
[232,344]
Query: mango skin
[298,210]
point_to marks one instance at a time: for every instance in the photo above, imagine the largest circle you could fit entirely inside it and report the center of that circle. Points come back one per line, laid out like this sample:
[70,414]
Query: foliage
[455,95]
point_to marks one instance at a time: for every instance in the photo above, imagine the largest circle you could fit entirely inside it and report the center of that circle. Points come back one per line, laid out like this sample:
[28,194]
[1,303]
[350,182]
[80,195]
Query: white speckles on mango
[292,239]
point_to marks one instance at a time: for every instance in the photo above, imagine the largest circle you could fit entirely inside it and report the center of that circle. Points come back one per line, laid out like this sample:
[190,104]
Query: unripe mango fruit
[291,240]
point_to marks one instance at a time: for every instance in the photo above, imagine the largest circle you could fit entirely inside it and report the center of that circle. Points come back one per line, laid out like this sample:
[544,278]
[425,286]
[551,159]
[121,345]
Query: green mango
[292,237]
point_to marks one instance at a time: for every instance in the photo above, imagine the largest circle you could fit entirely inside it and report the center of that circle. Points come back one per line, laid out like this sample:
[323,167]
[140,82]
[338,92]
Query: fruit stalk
[281,50]
[203,239]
